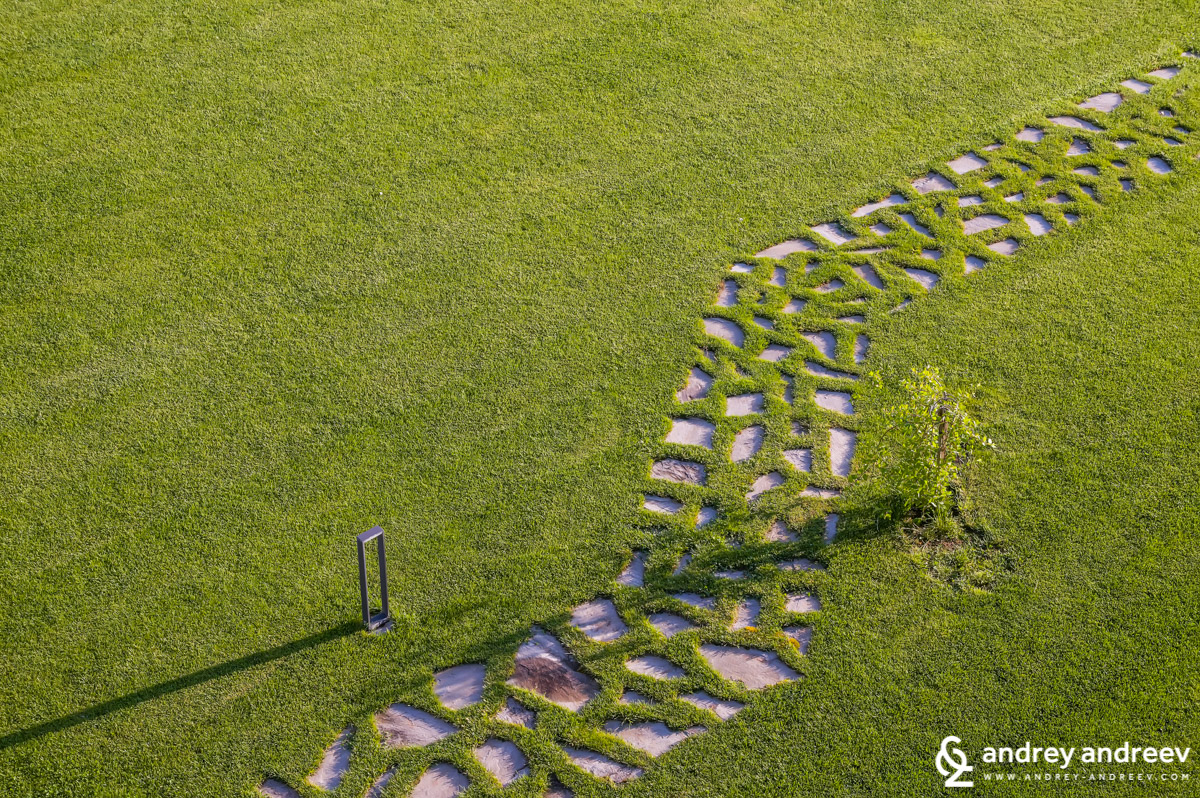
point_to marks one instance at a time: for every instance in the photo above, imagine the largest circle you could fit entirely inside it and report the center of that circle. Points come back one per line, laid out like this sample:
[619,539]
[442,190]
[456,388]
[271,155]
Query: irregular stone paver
[515,713]
[931,254]
[764,322]
[968,201]
[855,319]
[834,233]
[1059,199]
[1075,122]
[779,533]
[731,573]
[380,784]
[886,202]
[794,306]
[557,790]
[911,221]
[655,667]
[841,450]
[440,781]
[802,602]
[754,668]
[775,353]
[802,635]
[861,343]
[694,600]
[461,686]
[601,766]
[1006,247]
[831,525]
[1020,195]
[682,471]
[273,788]
[1166,73]
[870,277]
[691,432]
[824,342]
[722,708]
[661,504]
[654,739]
[544,667]
[1139,86]
[801,564]
[599,620]
[1158,165]
[633,698]
[746,614]
[778,277]
[831,286]
[728,295]
[765,483]
[818,370]
[836,401]
[726,330]
[334,764]
[1031,134]
[668,624]
[986,221]
[684,561]
[800,459]
[930,183]
[503,759]
[747,443]
[634,574]
[741,268]
[1104,103]
[402,726]
[705,516]
[1079,147]
[974,264]
[698,384]
[1087,171]
[967,163]
[927,279]
[746,404]
[1038,225]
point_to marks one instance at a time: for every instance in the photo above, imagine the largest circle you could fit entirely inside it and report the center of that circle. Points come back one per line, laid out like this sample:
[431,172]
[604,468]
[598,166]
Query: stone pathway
[741,493]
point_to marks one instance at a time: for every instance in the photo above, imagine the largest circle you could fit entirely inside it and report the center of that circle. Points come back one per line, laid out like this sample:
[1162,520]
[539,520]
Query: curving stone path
[740,496]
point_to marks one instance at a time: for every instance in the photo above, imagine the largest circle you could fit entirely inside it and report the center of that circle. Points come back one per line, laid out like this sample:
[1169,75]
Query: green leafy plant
[921,445]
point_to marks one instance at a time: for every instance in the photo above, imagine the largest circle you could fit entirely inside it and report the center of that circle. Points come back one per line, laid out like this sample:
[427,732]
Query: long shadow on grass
[174,685]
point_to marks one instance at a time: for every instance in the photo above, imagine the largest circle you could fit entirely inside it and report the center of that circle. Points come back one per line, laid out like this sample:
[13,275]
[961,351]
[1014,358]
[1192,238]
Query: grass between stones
[272,276]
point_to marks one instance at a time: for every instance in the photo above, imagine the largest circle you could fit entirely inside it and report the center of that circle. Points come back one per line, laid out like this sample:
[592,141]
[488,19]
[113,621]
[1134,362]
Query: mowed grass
[274,274]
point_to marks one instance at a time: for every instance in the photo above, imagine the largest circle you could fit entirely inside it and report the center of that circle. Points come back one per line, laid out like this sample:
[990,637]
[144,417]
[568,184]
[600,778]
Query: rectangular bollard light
[381,619]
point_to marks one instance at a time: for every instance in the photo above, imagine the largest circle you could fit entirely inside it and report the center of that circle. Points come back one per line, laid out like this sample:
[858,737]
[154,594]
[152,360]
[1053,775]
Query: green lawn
[270,275]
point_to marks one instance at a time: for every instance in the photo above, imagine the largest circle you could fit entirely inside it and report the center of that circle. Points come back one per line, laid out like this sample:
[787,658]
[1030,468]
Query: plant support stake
[380,620]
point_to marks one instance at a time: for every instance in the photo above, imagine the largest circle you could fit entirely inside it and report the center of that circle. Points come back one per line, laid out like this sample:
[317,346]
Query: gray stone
[1059,199]
[763,484]
[778,277]
[834,233]
[503,759]
[974,264]
[880,229]
[1079,147]
[794,306]
[869,276]
[789,387]
[1020,195]
[669,624]
[779,533]
[544,667]
[598,620]
[930,183]
[969,200]
[634,574]
[334,764]
[684,561]
[706,515]
[824,342]
[693,600]
[722,708]
[1038,224]
[986,221]
[1158,165]
[886,202]
[802,635]
[927,279]
[831,525]
[1126,184]
[661,504]
[728,296]
[726,330]
[1070,218]
[817,370]
[1006,247]
[967,163]
[380,784]
[861,344]
[841,450]
[775,353]
[837,401]
[801,564]
[515,713]
[1075,122]
[273,788]
[1124,144]
[746,404]
[557,790]
[912,222]
[631,698]
[746,614]
[800,459]
[654,739]
[691,432]
[1104,103]
[747,443]
[782,250]
[601,766]
[402,726]
[1031,134]
[830,287]
[681,471]
[855,319]
[802,602]
[655,668]
[765,323]
[754,668]
[1139,86]
[741,268]
[931,254]
[992,182]
[1087,171]
[1166,73]
[697,386]
[440,781]
[461,686]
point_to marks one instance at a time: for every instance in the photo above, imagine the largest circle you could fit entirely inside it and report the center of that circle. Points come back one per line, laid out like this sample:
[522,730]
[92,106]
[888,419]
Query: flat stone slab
[746,404]
[722,708]
[764,323]
[778,277]
[544,667]
[1079,147]
[831,286]
[1059,199]
[633,698]
[775,353]
[763,484]
[932,182]
[869,276]
[802,602]
[818,370]
[927,279]
[1020,195]
[682,471]
[824,342]
[725,329]
[1088,171]
[861,344]
[698,384]
[1166,73]
[986,221]
[634,574]
[831,526]
[779,533]
[1038,225]
[380,784]
[841,450]
[503,759]
[1158,165]
[461,686]
[1075,123]
[973,264]
[334,764]
[800,459]
[753,668]
[911,221]
[602,767]
[273,788]
[730,573]
[691,432]
[794,306]
[834,233]
[654,739]
[402,726]
[969,200]
[801,564]
[880,229]
[695,600]
[801,635]
[655,667]
[727,297]
[967,163]
[706,515]
[1006,247]
[557,790]
[440,781]
[668,624]
[871,207]
[515,713]
[684,561]
[1031,134]
[746,443]
[661,504]
[746,614]
[1105,103]
[835,401]
[1139,86]
[598,620]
